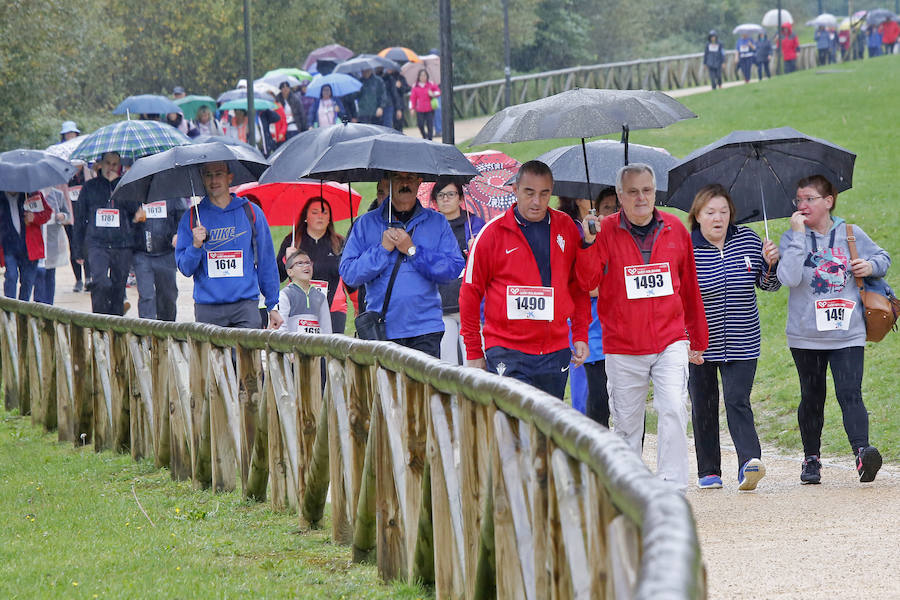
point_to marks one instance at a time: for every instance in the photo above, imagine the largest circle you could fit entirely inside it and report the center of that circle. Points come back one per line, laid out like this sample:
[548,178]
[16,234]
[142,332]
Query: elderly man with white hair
[651,312]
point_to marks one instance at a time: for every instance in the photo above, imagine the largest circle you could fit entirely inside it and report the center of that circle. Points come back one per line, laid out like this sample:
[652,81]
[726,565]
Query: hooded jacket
[644,325]
[501,257]
[229,230]
[714,54]
[817,267]
[789,42]
[415,307]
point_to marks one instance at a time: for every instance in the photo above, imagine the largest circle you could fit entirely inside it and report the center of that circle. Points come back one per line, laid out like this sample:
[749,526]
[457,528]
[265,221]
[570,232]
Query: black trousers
[597,405]
[715,76]
[157,290]
[847,372]
[703,386]
[763,66]
[429,343]
[425,122]
[109,271]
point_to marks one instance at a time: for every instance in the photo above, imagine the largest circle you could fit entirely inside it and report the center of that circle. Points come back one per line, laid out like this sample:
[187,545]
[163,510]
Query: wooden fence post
[82,399]
[181,421]
[282,424]
[65,386]
[225,438]
[26,367]
[48,381]
[142,413]
[35,372]
[250,396]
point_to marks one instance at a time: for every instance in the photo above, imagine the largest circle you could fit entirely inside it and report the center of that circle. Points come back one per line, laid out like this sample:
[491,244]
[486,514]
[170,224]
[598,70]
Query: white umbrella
[749,29]
[824,20]
[770,19]
[65,149]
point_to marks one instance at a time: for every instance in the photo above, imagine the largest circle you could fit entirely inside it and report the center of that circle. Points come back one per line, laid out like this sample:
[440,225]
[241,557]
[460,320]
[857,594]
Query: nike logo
[512,249]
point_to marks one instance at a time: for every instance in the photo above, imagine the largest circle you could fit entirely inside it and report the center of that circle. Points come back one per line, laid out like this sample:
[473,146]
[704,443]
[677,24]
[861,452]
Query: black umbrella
[605,158]
[760,170]
[371,158]
[30,170]
[175,173]
[228,141]
[294,158]
[360,63]
[583,113]
[374,157]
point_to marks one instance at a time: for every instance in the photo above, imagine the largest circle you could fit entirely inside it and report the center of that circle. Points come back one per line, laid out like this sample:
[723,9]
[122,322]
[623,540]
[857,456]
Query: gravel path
[838,539]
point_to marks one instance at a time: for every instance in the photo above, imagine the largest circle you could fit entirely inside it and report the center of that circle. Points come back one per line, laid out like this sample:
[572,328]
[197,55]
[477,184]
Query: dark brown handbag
[881,306]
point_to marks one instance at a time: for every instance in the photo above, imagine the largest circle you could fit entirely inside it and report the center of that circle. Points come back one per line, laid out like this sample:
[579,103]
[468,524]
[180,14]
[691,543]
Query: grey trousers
[157,291]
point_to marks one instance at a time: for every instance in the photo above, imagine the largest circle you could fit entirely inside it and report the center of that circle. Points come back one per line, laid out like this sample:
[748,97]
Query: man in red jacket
[523,265]
[651,313]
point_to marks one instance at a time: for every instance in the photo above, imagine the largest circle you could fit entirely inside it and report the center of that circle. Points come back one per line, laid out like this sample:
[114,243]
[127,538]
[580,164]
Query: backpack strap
[251,216]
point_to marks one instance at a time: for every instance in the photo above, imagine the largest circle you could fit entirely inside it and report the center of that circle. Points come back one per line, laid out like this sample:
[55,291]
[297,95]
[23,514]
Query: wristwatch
[411,251]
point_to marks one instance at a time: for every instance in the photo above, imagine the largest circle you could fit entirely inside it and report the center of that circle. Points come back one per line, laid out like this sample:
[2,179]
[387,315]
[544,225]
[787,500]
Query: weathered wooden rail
[478,484]
[665,73]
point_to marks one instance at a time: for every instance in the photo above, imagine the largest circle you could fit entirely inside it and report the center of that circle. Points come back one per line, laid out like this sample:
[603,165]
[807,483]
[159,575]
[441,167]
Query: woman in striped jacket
[731,262]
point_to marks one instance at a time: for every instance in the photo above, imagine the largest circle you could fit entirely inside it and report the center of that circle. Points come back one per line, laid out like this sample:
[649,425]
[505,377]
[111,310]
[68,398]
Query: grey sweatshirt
[824,274]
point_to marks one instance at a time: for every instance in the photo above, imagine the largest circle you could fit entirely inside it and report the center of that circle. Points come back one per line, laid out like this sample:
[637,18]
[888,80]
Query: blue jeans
[45,285]
[546,372]
[20,272]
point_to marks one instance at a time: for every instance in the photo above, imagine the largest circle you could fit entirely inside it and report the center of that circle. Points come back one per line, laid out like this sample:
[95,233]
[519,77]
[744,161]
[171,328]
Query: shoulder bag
[880,303]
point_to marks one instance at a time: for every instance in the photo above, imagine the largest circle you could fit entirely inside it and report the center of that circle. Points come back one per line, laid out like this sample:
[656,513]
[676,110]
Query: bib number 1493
[648,281]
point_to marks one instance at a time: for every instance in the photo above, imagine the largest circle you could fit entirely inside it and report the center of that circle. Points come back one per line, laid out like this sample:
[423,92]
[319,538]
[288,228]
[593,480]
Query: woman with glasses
[314,233]
[825,323]
[731,263]
[447,196]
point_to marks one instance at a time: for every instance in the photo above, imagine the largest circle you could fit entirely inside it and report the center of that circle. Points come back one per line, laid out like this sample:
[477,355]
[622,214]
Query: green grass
[855,108]
[72,529]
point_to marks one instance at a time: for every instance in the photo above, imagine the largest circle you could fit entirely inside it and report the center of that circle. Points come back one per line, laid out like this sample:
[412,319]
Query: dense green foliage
[59,60]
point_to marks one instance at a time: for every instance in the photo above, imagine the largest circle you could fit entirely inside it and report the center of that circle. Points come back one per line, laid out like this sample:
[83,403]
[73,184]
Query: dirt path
[787,540]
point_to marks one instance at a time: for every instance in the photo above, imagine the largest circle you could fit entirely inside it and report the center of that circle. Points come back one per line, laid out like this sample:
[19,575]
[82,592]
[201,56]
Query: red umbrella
[282,202]
[486,195]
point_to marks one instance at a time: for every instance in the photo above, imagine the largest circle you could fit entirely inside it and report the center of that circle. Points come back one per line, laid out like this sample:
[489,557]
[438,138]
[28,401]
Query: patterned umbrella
[131,139]
[64,149]
[487,195]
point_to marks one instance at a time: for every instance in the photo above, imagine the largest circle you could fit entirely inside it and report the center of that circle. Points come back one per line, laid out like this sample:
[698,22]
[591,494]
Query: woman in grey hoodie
[825,323]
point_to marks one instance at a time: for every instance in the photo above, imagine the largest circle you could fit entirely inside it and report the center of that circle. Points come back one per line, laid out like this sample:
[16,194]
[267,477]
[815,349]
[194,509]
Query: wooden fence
[666,73]
[477,484]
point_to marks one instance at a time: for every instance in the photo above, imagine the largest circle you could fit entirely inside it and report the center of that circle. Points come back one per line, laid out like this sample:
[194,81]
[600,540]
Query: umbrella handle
[625,141]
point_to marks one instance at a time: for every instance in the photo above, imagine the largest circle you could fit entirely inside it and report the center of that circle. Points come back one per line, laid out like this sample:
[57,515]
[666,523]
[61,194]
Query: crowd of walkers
[851,43]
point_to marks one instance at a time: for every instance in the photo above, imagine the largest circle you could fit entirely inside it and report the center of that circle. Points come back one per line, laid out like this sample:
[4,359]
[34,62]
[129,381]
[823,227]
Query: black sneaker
[79,285]
[812,470]
[868,461]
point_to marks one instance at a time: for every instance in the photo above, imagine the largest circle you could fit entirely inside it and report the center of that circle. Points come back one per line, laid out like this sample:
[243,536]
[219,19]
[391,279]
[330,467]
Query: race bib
[156,210]
[534,303]
[320,285]
[107,217]
[34,204]
[73,193]
[832,315]
[308,324]
[648,281]
[227,263]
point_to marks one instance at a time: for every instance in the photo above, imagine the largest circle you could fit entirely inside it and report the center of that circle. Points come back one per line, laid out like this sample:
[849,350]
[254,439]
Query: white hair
[634,168]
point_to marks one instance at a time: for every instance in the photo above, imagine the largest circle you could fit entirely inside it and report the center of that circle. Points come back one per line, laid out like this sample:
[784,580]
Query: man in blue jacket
[224,243]
[401,229]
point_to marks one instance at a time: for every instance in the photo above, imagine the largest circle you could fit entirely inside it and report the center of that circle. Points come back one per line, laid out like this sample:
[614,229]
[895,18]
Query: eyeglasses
[447,195]
[796,201]
[301,263]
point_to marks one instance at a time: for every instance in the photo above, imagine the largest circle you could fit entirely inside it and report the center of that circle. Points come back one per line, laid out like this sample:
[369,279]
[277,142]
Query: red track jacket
[645,325]
[501,256]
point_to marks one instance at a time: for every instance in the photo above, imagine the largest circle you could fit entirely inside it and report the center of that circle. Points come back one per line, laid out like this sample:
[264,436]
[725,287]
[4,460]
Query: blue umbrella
[341,85]
[146,104]
[31,170]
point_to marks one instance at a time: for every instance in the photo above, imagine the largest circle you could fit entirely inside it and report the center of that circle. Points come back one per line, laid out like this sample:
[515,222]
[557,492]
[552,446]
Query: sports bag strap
[851,242]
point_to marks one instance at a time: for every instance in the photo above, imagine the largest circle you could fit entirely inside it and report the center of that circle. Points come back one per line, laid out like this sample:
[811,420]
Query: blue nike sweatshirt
[223,268]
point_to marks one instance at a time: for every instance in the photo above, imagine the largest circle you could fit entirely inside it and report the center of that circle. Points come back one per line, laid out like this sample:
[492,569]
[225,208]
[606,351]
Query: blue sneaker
[750,473]
[709,482]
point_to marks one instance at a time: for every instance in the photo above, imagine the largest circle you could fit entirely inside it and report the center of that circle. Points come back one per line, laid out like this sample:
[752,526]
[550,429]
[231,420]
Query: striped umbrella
[131,139]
